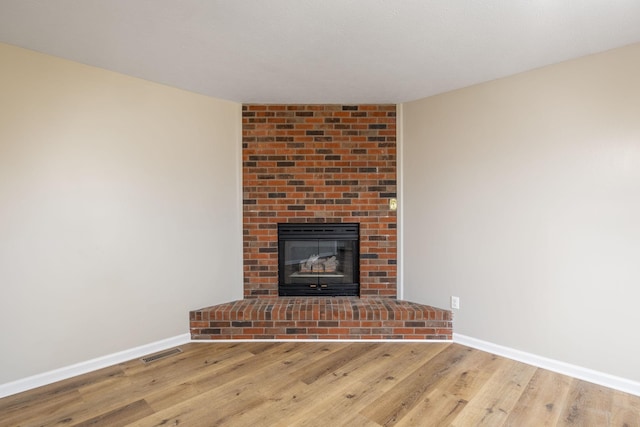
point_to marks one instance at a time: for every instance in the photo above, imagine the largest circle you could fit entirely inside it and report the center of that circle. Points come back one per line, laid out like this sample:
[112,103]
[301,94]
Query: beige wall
[119,211]
[522,197]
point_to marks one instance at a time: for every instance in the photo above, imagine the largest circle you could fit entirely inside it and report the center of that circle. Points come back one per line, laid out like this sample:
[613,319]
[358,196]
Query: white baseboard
[586,374]
[320,341]
[45,378]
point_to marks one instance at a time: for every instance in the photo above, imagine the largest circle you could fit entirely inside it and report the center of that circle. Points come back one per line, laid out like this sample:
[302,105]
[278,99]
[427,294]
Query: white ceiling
[319,51]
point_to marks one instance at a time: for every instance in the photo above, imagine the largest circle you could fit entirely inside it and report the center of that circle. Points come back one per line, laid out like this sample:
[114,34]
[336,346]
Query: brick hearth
[319,164]
[321,318]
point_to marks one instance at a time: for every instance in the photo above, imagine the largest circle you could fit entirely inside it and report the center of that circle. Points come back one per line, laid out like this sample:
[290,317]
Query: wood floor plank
[327,400]
[193,356]
[587,403]
[353,419]
[58,403]
[59,410]
[390,408]
[331,362]
[38,396]
[625,410]
[347,389]
[170,388]
[146,381]
[285,370]
[120,416]
[437,408]
[322,384]
[403,363]
[196,360]
[234,391]
[171,395]
[498,396]
[233,372]
[442,405]
[230,393]
[215,408]
[476,373]
[542,401]
[299,402]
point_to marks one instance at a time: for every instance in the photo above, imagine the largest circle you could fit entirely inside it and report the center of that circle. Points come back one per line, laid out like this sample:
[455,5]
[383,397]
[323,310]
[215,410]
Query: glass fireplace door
[326,265]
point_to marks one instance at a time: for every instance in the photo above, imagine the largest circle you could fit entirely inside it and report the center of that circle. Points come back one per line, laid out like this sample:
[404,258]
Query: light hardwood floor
[322,384]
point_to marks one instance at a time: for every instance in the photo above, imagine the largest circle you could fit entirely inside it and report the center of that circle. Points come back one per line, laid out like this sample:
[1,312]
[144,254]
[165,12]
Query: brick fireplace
[320,164]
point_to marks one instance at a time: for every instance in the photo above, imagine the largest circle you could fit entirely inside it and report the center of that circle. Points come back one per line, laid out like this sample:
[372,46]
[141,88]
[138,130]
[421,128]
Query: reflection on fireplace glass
[312,259]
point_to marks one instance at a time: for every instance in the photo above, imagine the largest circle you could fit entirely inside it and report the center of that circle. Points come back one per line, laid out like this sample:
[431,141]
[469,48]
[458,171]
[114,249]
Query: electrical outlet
[455,302]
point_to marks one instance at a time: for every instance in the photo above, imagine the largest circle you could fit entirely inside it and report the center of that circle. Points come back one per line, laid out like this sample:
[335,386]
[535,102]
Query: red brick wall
[319,163]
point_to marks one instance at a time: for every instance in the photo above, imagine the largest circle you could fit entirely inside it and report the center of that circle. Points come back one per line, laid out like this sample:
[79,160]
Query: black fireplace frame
[320,232]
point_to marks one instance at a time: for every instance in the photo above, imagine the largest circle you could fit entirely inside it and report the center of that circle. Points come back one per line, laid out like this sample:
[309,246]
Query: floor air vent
[161,355]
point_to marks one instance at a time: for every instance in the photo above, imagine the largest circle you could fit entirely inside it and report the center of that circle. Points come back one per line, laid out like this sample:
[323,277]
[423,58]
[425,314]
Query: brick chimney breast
[319,163]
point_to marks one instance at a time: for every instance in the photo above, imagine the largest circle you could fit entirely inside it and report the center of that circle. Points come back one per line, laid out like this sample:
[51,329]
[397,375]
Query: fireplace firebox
[318,259]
